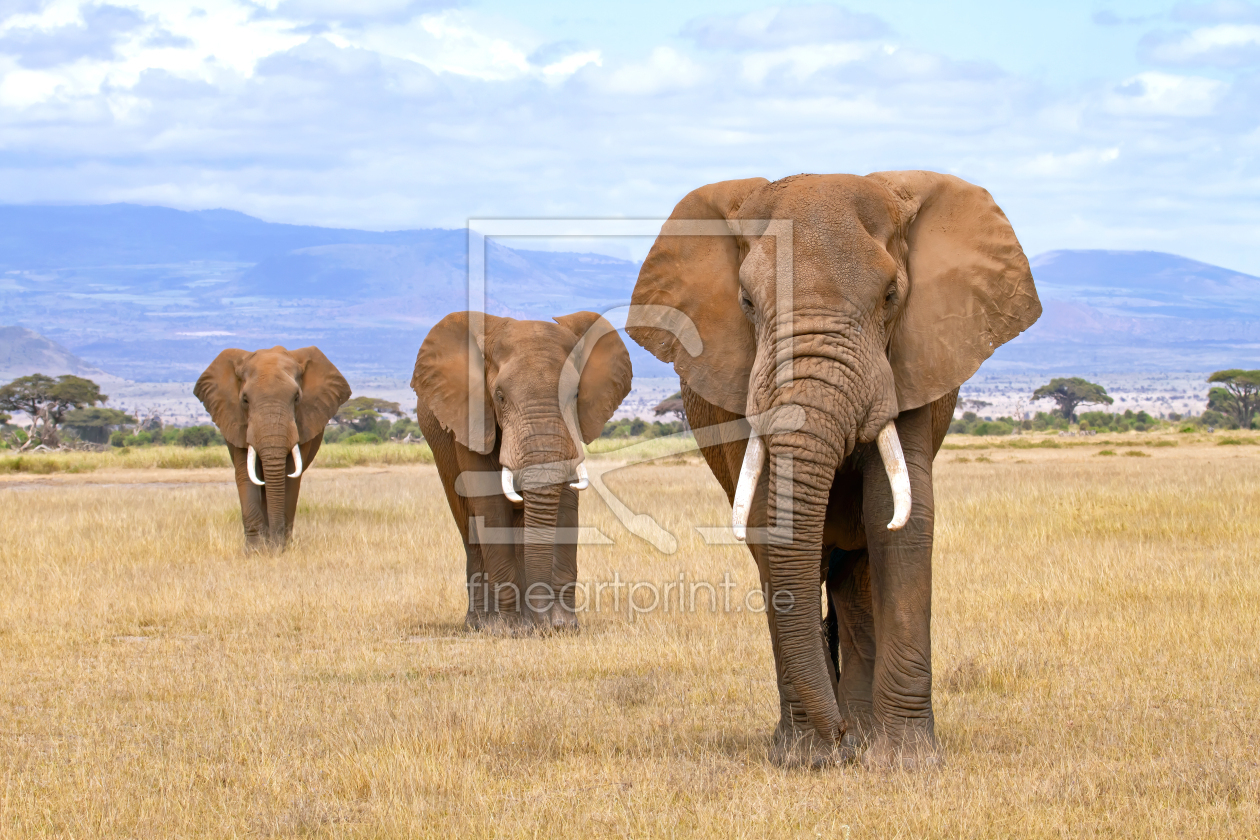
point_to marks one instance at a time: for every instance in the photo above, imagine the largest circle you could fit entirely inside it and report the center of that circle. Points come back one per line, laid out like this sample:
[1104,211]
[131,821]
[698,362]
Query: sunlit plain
[1095,661]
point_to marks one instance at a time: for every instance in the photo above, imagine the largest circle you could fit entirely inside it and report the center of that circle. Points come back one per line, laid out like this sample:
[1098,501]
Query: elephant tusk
[509,489]
[898,476]
[297,463]
[749,475]
[583,481]
[251,465]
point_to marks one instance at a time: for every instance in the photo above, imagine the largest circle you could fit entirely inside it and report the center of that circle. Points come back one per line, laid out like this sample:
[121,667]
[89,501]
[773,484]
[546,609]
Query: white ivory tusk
[898,476]
[297,463]
[749,475]
[508,489]
[583,481]
[251,465]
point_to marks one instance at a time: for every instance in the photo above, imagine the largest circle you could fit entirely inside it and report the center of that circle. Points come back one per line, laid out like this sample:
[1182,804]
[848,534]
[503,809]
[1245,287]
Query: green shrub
[628,427]
[361,437]
[198,436]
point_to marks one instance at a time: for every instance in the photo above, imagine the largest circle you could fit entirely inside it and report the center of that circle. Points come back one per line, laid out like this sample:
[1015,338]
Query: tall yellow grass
[1095,625]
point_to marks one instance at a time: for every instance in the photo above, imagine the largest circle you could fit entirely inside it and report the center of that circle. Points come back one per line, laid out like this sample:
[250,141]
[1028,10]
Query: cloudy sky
[1095,123]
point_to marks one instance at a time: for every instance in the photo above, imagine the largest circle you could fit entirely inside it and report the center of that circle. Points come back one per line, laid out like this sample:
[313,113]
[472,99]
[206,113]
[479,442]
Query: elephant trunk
[273,452]
[542,505]
[841,403]
[802,469]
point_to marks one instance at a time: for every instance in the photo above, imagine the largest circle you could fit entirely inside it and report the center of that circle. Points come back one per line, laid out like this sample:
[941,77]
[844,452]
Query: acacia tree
[363,413]
[1072,392]
[672,404]
[48,400]
[1241,395]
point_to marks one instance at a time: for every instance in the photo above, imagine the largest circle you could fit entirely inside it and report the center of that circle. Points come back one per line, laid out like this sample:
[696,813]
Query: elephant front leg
[564,566]
[479,589]
[849,599]
[253,503]
[495,535]
[901,601]
[293,486]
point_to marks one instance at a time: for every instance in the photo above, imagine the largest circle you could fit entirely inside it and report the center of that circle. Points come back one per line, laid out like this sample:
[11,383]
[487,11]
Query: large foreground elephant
[272,407]
[837,319]
[505,406]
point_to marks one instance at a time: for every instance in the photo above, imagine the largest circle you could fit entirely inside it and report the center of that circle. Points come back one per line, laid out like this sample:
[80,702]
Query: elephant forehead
[274,362]
[823,208]
[842,226]
[538,342]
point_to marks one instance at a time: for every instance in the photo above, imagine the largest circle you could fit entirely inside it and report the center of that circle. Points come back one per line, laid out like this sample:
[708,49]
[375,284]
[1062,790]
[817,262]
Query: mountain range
[152,294]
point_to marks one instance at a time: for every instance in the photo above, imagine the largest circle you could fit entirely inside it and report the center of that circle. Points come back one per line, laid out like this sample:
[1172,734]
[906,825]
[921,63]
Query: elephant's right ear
[219,389]
[451,369]
[697,276]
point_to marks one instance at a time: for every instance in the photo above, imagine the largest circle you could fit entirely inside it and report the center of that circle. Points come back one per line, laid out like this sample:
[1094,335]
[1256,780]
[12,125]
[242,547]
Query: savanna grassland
[1096,665]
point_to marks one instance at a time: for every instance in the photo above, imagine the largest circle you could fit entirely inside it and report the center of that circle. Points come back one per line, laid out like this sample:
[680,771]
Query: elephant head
[527,393]
[269,403]
[847,300]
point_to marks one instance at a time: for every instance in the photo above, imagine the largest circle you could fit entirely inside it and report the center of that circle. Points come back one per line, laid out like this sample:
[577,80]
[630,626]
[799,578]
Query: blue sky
[1095,124]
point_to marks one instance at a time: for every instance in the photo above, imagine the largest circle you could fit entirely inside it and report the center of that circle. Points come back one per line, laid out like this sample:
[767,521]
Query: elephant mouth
[543,475]
[252,465]
[890,453]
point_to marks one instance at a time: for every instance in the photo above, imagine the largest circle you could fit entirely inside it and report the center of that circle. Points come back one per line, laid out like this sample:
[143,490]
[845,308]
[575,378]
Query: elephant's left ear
[605,370]
[970,287]
[324,391]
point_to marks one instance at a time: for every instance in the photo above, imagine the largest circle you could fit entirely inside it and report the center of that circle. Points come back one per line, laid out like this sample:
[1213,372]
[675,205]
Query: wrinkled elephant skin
[272,407]
[505,406]
[896,287]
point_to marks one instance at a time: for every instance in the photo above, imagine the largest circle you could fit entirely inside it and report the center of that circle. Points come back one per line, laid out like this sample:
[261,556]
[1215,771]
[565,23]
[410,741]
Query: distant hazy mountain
[23,352]
[151,293]
[1139,310]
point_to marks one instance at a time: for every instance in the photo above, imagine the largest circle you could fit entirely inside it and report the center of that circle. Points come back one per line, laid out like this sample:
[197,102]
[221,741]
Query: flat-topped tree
[49,400]
[1072,392]
[673,404]
[362,414]
[1242,394]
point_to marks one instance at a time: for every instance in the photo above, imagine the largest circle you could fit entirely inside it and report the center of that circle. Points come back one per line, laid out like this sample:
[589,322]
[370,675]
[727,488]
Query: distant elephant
[272,407]
[843,380]
[505,406]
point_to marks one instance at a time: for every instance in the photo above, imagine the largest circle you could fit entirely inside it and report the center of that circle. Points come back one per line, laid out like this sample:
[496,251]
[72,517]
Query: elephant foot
[564,621]
[792,748]
[504,625]
[915,750]
[861,721]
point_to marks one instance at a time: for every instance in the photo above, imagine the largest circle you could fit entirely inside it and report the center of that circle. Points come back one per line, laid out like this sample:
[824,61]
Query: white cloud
[1071,163]
[804,61]
[777,27]
[1164,94]
[665,69]
[405,116]
[1224,45]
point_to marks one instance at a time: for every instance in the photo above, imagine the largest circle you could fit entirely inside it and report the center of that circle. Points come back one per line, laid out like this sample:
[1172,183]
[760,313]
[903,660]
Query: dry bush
[1094,635]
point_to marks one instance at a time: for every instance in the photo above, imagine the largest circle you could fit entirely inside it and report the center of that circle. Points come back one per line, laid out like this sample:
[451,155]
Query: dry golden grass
[1095,651]
[183,458]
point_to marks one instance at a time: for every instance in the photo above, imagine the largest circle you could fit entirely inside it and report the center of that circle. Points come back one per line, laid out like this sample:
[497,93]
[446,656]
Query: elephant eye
[746,304]
[890,295]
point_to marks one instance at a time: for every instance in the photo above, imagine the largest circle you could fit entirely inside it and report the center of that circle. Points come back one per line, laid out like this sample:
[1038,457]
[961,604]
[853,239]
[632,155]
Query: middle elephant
[506,406]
